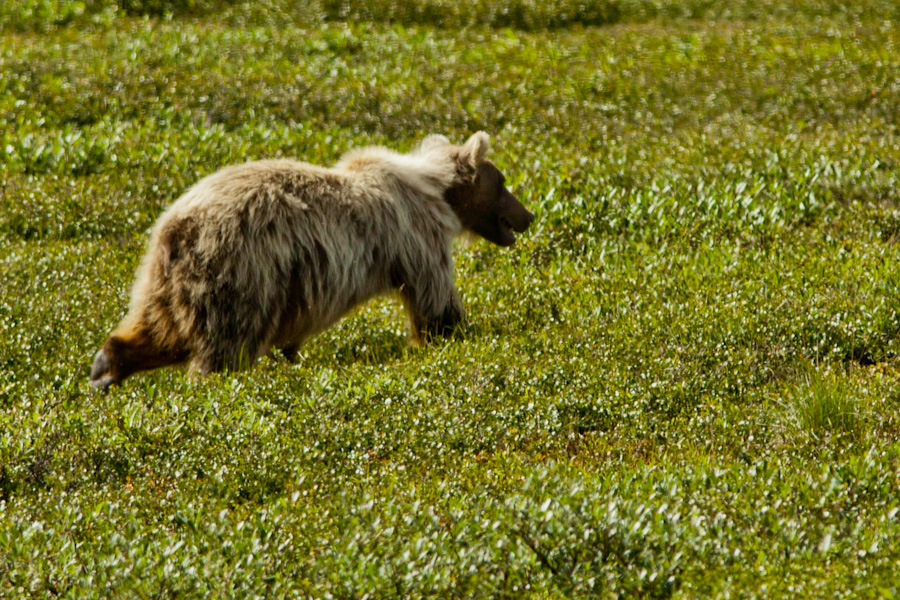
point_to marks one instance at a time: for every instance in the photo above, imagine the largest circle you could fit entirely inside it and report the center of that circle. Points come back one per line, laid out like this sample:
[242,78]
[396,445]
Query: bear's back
[236,188]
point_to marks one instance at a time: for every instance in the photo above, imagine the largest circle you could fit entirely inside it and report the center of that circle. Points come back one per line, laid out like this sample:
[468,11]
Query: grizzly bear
[263,255]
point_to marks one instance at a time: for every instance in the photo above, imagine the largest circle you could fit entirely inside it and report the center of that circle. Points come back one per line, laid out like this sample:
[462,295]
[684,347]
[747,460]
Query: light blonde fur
[265,254]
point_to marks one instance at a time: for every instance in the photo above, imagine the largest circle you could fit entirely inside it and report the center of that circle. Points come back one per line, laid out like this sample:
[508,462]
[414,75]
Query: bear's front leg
[425,282]
[443,324]
[428,317]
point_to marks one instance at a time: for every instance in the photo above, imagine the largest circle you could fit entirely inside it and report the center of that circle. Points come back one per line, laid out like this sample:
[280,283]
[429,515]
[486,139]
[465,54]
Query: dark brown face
[488,208]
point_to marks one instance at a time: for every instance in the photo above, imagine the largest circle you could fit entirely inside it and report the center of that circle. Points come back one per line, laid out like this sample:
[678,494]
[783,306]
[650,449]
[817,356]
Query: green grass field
[682,382]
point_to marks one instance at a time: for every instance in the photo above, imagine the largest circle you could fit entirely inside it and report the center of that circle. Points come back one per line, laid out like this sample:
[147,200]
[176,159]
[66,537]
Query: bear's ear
[475,150]
[432,142]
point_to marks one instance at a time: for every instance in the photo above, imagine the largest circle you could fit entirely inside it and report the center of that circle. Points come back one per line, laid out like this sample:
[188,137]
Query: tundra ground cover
[682,382]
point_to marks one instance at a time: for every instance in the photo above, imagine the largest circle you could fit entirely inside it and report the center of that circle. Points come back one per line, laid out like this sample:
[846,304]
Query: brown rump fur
[263,255]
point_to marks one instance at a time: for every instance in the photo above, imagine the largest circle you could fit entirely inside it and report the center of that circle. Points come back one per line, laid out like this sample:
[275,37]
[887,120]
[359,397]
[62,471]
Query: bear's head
[479,197]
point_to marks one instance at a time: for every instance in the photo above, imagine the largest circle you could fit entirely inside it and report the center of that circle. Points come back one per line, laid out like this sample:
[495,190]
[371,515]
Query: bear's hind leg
[129,349]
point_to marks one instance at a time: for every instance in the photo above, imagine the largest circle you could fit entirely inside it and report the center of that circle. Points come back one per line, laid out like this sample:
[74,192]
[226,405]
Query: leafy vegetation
[682,382]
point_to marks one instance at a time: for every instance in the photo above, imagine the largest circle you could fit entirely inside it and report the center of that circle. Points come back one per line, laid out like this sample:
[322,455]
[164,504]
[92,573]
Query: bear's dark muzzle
[524,221]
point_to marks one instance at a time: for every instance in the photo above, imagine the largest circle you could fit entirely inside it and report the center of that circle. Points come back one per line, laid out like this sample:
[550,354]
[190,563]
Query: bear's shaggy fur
[265,254]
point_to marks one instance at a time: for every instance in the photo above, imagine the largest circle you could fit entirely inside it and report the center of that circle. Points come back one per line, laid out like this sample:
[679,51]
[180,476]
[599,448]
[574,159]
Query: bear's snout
[524,222]
[516,217]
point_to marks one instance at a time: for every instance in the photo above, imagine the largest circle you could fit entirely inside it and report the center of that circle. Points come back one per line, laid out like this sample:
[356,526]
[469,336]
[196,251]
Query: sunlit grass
[682,381]
[825,404]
